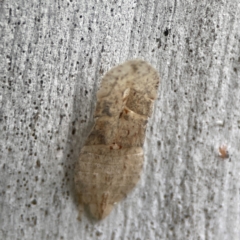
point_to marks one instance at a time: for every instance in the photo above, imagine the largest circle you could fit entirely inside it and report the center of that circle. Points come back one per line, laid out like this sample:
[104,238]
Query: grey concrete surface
[53,55]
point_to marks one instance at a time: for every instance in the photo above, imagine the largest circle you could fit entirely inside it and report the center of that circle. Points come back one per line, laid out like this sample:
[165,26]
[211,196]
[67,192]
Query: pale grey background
[53,55]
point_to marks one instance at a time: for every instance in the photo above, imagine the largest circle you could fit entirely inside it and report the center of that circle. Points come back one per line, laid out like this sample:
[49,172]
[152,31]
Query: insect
[223,151]
[111,160]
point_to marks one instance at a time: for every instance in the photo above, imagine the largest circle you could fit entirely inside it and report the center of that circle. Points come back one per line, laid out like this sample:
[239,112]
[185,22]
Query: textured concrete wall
[53,55]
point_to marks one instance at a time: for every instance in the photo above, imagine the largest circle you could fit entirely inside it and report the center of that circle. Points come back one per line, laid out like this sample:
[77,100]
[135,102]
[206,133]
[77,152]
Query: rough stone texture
[53,55]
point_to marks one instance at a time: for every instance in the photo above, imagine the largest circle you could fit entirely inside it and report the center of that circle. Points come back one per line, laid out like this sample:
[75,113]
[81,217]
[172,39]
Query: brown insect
[223,152]
[111,160]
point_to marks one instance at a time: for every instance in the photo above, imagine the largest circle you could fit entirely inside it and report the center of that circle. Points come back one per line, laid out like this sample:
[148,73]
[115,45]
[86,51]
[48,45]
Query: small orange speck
[223,152]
